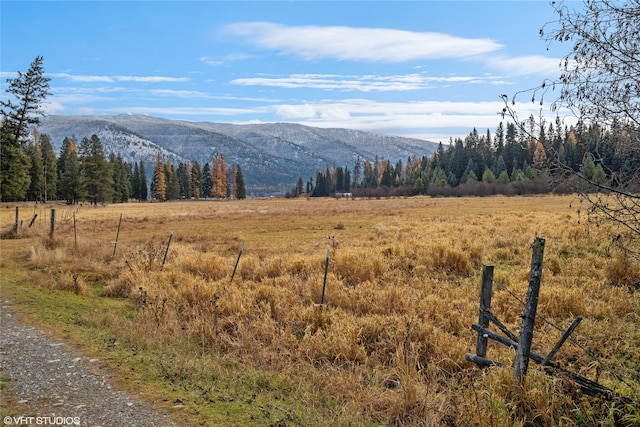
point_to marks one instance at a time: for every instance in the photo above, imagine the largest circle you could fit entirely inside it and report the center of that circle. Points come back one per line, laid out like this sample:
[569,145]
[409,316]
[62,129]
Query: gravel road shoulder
[51,380]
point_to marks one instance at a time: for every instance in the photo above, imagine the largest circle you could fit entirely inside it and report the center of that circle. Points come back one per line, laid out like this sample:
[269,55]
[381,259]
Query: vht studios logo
[41,421]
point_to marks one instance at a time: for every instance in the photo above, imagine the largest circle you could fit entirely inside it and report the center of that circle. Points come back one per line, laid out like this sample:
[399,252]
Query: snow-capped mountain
[272,156]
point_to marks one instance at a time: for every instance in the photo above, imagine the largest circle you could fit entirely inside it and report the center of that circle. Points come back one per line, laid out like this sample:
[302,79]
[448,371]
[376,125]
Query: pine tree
[369,179]
[231,181]
[158,184]
[135,182]
[143,192]
[168,172]
[386,180]
[171,180]
[121,179]
[71,182]
[503,178]
[346,186]
[67,146]
[97,171]
[29,89]
[299,186]
[50,165]
[184,179]
[357,169]
[14,170]
[488,176]
[196,180]
[419,186]
[207,182]
[36,172]
[241,191]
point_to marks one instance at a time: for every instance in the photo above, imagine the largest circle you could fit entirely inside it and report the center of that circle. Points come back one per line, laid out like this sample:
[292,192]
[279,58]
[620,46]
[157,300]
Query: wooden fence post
[52,226]
[531,305]
[564,337]
[115,244]
[485,305]
[75,231]
[167,251]
[326,270]
[237,262]
[15,226]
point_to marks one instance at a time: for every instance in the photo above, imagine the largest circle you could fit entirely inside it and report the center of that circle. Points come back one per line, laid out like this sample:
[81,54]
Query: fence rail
[522,344]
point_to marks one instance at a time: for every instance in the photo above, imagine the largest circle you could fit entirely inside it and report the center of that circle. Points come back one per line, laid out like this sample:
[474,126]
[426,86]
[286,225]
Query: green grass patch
[197,389]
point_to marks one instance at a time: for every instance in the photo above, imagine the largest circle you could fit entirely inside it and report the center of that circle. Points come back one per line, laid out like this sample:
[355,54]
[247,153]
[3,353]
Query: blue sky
[425,69]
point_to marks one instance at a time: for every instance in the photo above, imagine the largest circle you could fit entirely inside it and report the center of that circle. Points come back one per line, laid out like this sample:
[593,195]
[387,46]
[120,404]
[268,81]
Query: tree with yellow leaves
[219,176]
[158,183]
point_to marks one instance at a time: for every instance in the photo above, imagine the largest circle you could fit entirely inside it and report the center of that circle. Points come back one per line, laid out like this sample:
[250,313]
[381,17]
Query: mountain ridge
[272,155]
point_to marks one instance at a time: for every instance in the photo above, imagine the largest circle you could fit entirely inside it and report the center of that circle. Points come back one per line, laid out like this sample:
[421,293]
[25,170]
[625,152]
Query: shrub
[623,271]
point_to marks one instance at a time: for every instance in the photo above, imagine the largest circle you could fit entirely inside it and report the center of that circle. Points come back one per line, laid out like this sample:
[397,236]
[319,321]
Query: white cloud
[184,111]
[217,61]
[360,44]
[527,65]
[368,83]
[294,112]
[179,93]
[52,107]
[113,79]
[428,120]
[82,79]
[150,79]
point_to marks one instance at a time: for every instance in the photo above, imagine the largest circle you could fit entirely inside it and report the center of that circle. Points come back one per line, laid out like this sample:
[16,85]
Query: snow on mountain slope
[272,155]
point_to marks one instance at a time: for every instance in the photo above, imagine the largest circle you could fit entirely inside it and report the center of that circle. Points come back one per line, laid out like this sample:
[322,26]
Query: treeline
[83,172]
[189,180]
[509,162]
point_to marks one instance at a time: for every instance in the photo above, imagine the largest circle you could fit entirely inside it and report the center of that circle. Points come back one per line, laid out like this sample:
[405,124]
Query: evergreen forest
[559,159]
[84,172]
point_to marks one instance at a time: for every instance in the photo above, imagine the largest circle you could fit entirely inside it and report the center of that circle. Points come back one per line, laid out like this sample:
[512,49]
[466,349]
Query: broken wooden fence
[522,345]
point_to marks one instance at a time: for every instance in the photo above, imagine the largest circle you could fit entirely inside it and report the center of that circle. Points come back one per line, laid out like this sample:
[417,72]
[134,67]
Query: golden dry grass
[402,289]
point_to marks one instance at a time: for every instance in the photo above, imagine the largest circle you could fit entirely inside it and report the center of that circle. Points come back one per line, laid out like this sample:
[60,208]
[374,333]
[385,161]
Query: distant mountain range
[272,155]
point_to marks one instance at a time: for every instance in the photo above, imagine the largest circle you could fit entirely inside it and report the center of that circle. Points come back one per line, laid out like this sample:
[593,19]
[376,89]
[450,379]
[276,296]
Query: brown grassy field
[388,346]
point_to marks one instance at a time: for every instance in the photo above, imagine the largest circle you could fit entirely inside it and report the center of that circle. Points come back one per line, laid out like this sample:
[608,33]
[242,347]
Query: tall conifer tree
[158,184]
[240,190]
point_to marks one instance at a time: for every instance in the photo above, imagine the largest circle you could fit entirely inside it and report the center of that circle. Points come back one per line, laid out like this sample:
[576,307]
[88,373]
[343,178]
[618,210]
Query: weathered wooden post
[52,226]
[33,220]
[326,270]
[75,231]
[115,244]
[15,225]
[564,337]
[531,305]
[237,261]
[167,251]
[485,305]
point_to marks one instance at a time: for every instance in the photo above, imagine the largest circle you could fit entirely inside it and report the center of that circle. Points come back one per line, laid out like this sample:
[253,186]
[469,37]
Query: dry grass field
[388,345]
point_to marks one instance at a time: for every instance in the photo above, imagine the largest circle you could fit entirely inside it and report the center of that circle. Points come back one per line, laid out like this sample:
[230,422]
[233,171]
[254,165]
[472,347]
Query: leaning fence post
[531,305]
[167,251]
[564,337]
[115,244]
[237,261]
[485,306]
